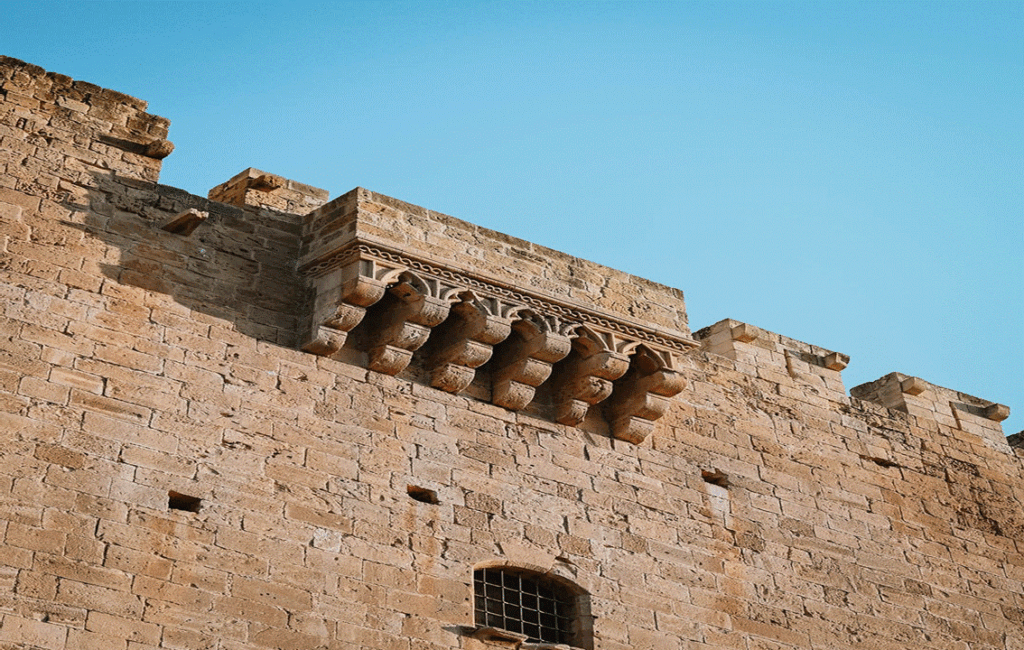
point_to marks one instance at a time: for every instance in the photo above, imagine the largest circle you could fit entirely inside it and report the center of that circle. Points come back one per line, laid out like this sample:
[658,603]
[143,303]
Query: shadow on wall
[237,267]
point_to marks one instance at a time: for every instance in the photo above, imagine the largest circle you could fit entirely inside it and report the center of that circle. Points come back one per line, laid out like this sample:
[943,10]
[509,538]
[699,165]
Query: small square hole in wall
[715,477]
[423,495]
[178,501]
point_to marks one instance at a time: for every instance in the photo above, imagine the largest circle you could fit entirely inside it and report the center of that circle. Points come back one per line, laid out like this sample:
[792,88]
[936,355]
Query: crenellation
[255,188]
[265,419]
[101,128]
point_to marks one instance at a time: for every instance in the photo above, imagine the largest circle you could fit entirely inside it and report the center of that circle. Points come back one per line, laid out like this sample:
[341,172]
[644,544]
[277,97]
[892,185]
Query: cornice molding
[563,309]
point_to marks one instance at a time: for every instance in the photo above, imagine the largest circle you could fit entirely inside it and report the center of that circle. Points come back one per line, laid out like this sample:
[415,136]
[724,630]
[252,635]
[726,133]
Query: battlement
[60,129]
[254,188]
[267,419]
[429,238]
[769,355]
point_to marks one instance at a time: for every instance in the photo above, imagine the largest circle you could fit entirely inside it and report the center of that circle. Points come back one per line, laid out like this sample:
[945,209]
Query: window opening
[519,602]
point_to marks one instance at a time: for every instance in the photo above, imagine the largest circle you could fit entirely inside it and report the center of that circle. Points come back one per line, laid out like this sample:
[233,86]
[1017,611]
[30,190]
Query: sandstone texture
[266,419]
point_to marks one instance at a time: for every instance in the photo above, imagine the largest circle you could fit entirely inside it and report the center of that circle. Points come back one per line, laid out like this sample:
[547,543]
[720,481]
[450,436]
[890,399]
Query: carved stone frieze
[572,313]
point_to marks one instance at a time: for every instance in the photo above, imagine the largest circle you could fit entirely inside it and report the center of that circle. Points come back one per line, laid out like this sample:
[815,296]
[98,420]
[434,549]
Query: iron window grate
[524,604]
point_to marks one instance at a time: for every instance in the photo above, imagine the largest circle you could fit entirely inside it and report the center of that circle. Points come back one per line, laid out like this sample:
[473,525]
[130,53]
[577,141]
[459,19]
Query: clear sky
[850,174]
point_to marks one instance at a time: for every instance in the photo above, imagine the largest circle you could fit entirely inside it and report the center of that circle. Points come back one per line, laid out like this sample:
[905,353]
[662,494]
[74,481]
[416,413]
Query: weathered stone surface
[307,423]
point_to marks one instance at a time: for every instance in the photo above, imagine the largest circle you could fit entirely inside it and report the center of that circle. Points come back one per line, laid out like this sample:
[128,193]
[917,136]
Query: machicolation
[268,419]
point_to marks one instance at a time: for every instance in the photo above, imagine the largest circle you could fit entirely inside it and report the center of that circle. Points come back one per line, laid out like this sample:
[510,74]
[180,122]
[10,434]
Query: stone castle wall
[263,419]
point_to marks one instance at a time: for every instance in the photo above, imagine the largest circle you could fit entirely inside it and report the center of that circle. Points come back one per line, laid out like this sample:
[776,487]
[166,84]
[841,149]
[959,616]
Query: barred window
[526,603]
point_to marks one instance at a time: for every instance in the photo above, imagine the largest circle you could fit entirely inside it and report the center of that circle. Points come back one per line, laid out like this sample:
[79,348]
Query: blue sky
[848,174]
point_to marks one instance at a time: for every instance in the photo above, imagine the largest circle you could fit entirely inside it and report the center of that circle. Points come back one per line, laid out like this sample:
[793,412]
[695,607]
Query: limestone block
[836,361]
[996,412]
[186,222]
[913,386]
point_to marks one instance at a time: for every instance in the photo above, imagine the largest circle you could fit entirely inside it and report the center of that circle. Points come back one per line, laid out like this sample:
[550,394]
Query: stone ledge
[474,300]
[443,242]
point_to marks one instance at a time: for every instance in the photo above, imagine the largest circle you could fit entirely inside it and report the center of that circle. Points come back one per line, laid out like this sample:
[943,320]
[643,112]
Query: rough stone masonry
[264,419]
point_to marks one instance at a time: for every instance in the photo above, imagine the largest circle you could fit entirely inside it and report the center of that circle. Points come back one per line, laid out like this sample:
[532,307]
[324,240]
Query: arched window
[537,606]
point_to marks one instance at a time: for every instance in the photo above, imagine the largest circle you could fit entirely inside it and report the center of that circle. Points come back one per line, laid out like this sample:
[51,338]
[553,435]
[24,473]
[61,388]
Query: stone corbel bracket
[835,361]
[186,222]
[644,394]
[586,377]
[342,296]
[474,326]
[527,359]
[159,148]
[418,304]
[996,412]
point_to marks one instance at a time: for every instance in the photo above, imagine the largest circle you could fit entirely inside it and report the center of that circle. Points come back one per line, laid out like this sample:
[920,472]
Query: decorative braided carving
[569,313]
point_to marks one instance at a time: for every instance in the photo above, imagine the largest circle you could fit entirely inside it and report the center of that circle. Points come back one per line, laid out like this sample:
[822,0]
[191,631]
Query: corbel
[341,301]
[836,360]
[467,338]
[745,333]
[414,306]
[913,386]
[265,182]
[644,394]
[585,377]
[526,359]
[186,222]
[159,149]
[996,412]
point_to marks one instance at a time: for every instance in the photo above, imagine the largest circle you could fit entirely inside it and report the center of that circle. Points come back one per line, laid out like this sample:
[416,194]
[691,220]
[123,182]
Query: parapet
[430,238]
[396,275]
[258,189]
[934,404]
[61,129]
[811,372]
[777,358]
